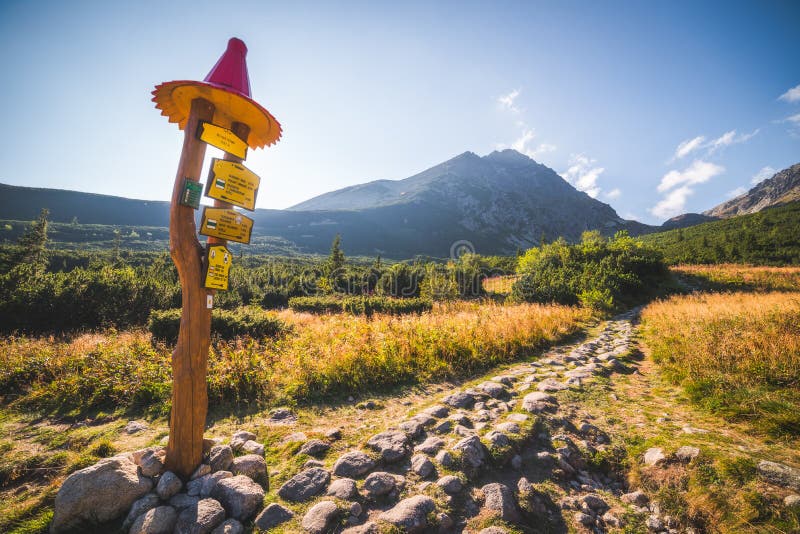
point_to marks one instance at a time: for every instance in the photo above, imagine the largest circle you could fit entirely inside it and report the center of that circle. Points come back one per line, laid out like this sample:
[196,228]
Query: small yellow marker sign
[226,224]
[233,183]
[222,138]
[218,266]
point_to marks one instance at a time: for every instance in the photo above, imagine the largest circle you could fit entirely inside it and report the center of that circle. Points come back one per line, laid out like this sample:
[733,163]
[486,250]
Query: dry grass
[736,354]
[745,277]
[323,355]
[500,285]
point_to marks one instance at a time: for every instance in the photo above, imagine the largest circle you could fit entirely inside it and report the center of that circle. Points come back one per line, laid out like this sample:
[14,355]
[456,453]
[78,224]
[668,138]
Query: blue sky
[654,107]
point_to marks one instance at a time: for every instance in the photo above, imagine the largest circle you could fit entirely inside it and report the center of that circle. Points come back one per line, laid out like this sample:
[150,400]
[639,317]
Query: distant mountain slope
[497,202]
[687,219]
[782,188]
[769,237]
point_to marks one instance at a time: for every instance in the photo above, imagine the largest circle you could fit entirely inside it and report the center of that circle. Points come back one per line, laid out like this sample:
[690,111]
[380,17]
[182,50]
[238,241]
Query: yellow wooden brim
[174,99]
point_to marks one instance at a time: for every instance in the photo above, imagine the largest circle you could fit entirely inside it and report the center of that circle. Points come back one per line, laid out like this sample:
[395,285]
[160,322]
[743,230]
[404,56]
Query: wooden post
[190,357]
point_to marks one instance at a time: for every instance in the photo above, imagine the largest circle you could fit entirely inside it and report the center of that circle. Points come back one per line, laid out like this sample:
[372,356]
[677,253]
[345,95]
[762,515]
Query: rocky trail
[537,447]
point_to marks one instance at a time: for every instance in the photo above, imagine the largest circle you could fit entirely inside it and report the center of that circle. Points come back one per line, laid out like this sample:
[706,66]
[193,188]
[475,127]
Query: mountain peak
[783,187]
[508,155]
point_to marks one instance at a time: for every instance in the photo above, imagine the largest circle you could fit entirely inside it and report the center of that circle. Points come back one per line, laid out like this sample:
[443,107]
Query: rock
[493,389]
[654,523]
[295,436]
[209,481]
[551,384]
[450,484]
[437,411]
[611,520]
[516,462]
[240,438]
[392,446]
[305,485]
[151,460]
[497,440]
[253,466]
[182,500]
[508,427]
[473,453]
[635,497]
[100,493]
[253,447]
[500,499]
[791,501]
[333,434]
[353,464]
[443,428]
[379,483]
[229,526]
[160,520]
[412,427]
[538,402]
[168,485]
[445,459]
[136,426]
[460,419]
[201,471]
[493,530]
[595,502]
[464,431]
[430,445]
[583,519]
[210,443]
[343,488]
[320,517]
[367,528]
[686,453]
[779,474]
[200,519]
[282,416]
[421,465]
[239,495]
[445,522]
[518,417]
[148,502]
[220,457]
[315,447]
[459,399]
[272,516]
[654,456]
[410,515]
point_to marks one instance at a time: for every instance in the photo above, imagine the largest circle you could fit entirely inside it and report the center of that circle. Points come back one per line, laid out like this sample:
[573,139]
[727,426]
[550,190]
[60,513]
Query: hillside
[769,237]
[498,203]
[782,188]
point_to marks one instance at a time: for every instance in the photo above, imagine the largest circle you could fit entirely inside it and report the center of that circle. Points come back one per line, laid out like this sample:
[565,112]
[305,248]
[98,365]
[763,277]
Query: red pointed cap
[231,70]
[227,86]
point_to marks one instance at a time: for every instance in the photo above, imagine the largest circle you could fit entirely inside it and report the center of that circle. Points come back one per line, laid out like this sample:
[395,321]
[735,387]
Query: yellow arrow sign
[233,183]
[226,224]
[222,138]
[218,266]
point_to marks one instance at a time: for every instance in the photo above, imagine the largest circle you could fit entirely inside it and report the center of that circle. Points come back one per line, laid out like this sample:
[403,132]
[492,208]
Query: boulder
[686,453]
[148,502]
[202,518]
[412,427]
[379,483]
[201,471]
[98,493]
[305,485]
[272,516]
[473,453]
[150,460]
[343,488]
[220,457]
[240,438]
[538,402]
[410,515]
[595,502]
[654,456]
[253,466]
[551,384]
[135,426]
[421,465]
[430,445]
[459,399]
[320,517]
[229,526]
[253,447]
[315,447]
[240,496]
[493,389]
[779,474]
[210,481]
[635,497]
[160,520]
[500,499]
[437,411]
[182,500]
[450,484]
[353,464]
[168,485]
[367,528]
[445,459]
[392,445]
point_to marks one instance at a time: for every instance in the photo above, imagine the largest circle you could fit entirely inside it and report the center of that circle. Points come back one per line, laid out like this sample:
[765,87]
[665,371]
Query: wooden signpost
[218,111]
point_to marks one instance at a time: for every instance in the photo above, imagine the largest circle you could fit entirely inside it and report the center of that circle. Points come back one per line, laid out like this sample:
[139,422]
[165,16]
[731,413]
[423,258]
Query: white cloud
[729,138]
[677,186]
[688,146]
[697,173]
[507,101]
[583,174]
[794,118]
[614,193]
[733,193]
[522,145]
[792,95]
[763,174]
[673,204]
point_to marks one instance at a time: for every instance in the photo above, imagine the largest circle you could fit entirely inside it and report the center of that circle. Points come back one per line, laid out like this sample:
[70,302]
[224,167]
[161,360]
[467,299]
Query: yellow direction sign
[226,224]
[222,138]
[218,266]
[233,183]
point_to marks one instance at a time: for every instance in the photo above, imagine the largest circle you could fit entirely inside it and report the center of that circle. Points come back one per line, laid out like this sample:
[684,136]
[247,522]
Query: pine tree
[336,260]
[31,245]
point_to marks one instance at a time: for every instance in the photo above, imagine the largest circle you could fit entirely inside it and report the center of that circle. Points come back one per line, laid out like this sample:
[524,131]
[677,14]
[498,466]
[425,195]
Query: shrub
[359,305]
[603,274]
[245,321]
